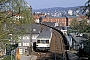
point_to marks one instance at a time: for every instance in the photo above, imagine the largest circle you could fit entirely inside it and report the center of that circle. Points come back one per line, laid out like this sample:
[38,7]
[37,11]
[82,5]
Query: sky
[40,4]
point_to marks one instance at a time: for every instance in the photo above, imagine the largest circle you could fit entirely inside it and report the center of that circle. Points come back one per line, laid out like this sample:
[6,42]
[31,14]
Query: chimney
[40,20]
[66,21]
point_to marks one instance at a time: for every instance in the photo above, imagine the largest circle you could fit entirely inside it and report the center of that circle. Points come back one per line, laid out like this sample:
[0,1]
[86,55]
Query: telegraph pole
[30,21]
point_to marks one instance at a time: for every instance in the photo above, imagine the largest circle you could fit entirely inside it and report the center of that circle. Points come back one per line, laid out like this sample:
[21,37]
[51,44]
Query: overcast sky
[40,4]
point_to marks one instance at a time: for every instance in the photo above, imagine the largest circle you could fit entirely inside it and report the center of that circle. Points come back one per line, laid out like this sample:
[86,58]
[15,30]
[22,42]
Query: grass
[8,57]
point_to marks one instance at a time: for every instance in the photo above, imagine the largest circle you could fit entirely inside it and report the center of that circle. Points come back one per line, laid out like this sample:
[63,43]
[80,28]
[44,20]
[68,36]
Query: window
[19,44]
[38,41]
[34,29]
[25,44]
[47,41]
[25,37]
[20,51]
[43,41]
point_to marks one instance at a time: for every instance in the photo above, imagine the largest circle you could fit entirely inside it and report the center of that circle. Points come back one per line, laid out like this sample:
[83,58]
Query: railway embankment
[71,55]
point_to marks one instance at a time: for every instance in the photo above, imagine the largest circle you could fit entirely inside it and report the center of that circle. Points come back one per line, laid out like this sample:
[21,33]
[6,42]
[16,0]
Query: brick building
[61,20]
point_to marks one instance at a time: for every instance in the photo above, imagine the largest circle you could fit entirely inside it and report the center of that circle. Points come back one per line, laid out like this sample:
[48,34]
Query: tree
[82,25]
[74,24]
[86,9]
[11,25]
[18,8]
[2,1]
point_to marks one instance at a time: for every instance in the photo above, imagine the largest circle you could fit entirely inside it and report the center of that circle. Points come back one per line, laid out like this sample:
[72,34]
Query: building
[24,44]
[61,20]
[76,41]
[36,29]
[51,24]
[70,12]
[63,29]
[27,40]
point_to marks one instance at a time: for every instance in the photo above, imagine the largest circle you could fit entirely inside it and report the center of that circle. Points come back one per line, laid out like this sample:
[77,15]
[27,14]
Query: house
[51,24]
[63,29]
[27,40]
[24,44]
[36,29]
[76,41]
[58,27]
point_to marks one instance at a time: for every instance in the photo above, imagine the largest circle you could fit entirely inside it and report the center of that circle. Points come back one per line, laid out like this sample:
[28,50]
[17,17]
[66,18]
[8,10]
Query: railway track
[48,56]
[59,44]
[56,51]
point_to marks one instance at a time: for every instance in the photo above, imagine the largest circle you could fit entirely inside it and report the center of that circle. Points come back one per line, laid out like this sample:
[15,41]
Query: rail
[64,41]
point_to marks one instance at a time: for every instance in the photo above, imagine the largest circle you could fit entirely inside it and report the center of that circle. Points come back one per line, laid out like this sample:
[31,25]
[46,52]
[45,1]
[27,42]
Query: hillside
[61,10]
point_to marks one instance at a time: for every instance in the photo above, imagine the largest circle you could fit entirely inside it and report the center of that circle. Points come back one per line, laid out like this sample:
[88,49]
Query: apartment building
[61,20]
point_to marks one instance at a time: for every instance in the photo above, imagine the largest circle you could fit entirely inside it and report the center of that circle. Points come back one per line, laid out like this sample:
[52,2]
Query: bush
[7,58]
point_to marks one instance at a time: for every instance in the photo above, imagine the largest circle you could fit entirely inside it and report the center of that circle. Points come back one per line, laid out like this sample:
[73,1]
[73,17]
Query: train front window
[43,41]
[38,41]
[47,41]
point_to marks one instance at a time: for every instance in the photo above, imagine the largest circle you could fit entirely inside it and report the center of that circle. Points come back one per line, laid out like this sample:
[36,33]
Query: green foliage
[2,1]
[11,25]
[87,45]
[81,26]
[74,24]
[7,58]
[87,29]
[87,8]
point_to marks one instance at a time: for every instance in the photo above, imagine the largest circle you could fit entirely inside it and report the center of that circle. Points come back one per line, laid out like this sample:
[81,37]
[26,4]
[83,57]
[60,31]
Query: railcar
[44,39]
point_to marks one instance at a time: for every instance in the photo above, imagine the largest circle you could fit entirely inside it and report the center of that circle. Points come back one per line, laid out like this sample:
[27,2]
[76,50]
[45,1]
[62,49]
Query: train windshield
[38,41]
[47,41]
[43,41]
